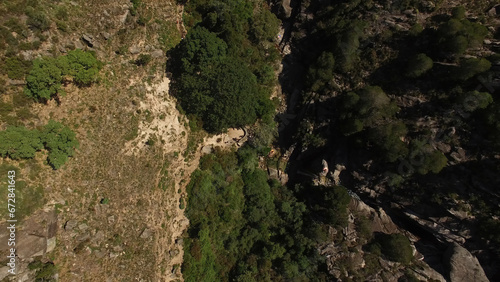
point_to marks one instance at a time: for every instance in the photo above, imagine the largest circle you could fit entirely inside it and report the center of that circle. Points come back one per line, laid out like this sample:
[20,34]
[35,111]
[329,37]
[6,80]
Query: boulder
[70,224]
[89,40]
[146,233]
[463,266]
[285,9]
[30,246]
[78,44]
[42,223]
[16,82]
[51,244]
[99,253]
[157,53]
[83,226]
[134,49]
[106,35]
[380,221]
[273,173]
[207,149]
[494,11]
[99,237]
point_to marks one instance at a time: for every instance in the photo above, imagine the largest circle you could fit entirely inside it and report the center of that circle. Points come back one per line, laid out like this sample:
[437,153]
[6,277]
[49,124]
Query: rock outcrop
[463,265]
[35,237]
[385,270]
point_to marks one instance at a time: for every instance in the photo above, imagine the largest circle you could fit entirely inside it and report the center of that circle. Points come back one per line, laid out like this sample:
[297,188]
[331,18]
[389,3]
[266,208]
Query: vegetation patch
[220,70]
[48,74]
[18,142]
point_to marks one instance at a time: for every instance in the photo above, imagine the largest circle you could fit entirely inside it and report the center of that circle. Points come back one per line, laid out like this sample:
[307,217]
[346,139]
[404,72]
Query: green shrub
[321,72]
[457,35]
[374,248]
[458,13]
[336,200]
[388,139]
[265,26]
[489,229]
[368,107]
[19,143]
[143,59]
[45,78]
[62,26]
[135,5]
[37,20]
[83,66]
[418,65]
[425,159]
[5,109]
[475,100]
[60,141]
[471,67]
[44,271]
[396,247]
[17,67]
[62,13]
[14,25]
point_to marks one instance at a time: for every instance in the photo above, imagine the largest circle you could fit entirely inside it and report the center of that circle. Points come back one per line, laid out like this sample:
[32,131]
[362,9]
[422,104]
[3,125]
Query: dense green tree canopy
[215,86]
[265,26]
[224,68]
[243,226]
[201,49]
[235,97]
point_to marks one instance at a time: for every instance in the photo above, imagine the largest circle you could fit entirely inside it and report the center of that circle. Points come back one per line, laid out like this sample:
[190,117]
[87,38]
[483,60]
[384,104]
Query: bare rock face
[286,9]
[380,221]
[31,246]
[463,265]
[494,11]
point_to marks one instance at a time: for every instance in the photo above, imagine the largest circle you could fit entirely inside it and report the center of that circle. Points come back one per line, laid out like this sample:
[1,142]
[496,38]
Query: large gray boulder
[285,9]
[463,266]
